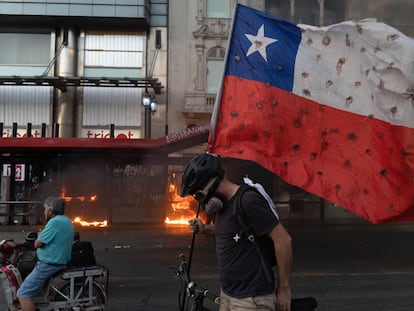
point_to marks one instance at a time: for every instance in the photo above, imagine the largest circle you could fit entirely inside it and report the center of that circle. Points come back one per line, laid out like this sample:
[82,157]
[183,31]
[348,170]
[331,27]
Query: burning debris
[181,210]
[96,224]
[83,201]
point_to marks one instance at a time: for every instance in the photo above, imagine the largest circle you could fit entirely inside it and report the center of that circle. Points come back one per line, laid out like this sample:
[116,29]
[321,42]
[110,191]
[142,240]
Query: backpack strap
[246,230]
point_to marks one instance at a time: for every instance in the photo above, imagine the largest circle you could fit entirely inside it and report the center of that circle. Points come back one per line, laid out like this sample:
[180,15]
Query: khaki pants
[263,303]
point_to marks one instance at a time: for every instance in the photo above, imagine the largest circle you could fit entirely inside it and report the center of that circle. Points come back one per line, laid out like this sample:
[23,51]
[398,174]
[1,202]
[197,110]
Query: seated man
[82,253]
[53,247]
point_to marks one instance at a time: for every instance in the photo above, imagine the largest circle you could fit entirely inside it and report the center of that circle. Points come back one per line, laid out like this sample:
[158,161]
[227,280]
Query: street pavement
[345,265]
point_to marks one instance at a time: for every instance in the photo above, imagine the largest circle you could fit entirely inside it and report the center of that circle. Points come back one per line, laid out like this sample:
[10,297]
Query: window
[24,54]
[218,8]
[216,53]
[25,48]
[114,54]
[215,67]
[106,105]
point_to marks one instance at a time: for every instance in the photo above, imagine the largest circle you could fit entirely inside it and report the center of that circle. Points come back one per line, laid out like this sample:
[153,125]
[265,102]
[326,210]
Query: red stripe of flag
[361,163]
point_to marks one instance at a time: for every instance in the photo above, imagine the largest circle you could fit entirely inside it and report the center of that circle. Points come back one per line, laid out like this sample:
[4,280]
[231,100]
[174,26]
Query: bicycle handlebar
[192,288]
[197,291]
[213,298]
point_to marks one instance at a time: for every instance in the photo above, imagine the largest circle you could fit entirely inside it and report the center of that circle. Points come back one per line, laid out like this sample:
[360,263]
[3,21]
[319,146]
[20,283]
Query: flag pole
[216,108]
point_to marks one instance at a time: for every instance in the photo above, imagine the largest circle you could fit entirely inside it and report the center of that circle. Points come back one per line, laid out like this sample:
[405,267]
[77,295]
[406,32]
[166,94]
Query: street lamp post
[151,106]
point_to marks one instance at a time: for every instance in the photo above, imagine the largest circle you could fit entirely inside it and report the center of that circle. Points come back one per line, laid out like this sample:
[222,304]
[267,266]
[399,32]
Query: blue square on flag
[263,48]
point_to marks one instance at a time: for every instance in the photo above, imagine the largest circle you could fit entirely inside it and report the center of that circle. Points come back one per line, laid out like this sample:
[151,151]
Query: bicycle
[191,289]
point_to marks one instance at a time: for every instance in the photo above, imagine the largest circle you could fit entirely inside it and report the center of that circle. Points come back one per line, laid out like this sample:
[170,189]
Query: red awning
[168,144]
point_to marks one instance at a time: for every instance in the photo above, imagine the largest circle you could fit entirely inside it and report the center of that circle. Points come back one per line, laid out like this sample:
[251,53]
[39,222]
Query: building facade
[81,69]
[80,66]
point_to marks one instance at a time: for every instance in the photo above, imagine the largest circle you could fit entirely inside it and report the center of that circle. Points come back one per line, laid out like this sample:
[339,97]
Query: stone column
[200,79]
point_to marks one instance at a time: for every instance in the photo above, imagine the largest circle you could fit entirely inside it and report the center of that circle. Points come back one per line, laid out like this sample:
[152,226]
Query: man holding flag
[249,237]
[330,110]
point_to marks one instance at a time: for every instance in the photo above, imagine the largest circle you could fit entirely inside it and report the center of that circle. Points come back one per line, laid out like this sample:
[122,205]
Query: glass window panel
[211,54]
[104,106]
[307,12]
[22,70]
[113,72]
[218,8]
[159,21]
[216,53]
[214,73]
[24,104]
[113,59]
[115,42]
[158,9]
[279,9]
[25,48]
[121,54]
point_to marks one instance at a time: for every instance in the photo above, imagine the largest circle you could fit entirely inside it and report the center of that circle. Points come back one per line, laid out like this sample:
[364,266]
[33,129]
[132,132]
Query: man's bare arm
[38,244]
[283,249]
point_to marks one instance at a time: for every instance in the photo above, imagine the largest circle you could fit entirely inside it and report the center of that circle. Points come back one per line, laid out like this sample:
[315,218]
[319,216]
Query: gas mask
[213,205]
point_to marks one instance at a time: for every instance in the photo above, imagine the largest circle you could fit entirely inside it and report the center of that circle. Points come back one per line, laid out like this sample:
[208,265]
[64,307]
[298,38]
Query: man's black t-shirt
[241,270]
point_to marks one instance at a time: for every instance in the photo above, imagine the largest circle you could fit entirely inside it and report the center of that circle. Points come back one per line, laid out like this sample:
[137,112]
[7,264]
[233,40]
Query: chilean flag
[330,110]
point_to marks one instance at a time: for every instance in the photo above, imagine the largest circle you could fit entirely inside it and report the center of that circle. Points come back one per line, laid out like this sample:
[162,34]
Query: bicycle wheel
[97,300]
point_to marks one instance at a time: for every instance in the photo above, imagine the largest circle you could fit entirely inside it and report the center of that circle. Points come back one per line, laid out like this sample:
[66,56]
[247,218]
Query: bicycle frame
[76,288]
[192,290]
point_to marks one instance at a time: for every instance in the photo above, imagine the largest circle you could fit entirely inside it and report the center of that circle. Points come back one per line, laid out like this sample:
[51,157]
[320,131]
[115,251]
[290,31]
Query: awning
[161,146]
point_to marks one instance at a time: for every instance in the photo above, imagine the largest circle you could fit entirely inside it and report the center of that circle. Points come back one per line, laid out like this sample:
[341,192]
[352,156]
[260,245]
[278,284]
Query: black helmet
[199,171]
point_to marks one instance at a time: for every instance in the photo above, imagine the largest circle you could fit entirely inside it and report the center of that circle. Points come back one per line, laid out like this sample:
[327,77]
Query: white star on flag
[259,43]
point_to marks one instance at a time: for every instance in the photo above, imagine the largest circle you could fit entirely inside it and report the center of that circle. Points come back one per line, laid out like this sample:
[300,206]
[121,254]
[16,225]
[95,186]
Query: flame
[97,224]
[82,199]
[181,221]
[181,209]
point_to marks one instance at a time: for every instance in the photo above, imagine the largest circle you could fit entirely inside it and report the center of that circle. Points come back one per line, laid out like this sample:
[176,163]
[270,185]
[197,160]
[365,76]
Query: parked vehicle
[80,288]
